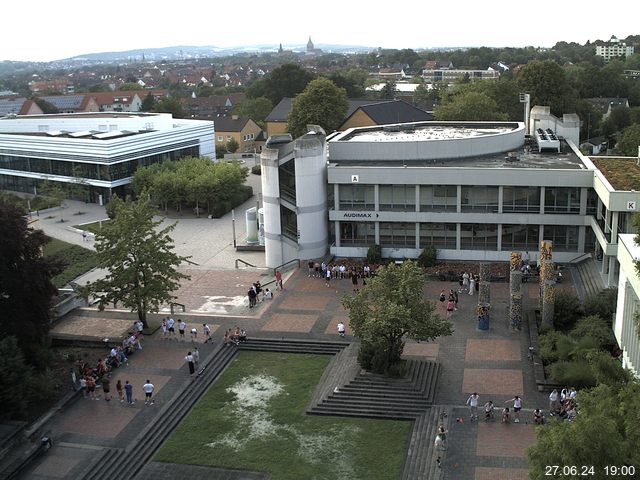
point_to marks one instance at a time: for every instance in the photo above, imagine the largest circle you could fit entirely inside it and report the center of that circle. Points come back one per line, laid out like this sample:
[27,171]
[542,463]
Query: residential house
[18,106]
[384,113]
[241,129]
[62,85]
[118,101]
[73,103]
[614,48]
[606,105]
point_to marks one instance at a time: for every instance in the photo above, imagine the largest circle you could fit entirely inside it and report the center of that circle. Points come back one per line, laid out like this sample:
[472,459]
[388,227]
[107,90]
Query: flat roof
[623,173]
[54,116]
[417,132]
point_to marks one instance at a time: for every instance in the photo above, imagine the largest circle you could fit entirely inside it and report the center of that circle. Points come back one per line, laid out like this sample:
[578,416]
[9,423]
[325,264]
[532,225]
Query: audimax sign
[359,215]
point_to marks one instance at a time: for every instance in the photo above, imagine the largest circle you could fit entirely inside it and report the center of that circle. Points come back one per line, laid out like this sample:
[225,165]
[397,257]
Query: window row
[473,198]
[473,236]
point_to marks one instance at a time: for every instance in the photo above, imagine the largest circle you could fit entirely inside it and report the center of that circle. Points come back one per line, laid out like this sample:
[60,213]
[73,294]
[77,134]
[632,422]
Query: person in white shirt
[207,333]
[193,334]
[148,392]
[341,329]
[268,294]
[472,401]
[554,403]
[517,406]
[190,361]
[181,327]
[170,326]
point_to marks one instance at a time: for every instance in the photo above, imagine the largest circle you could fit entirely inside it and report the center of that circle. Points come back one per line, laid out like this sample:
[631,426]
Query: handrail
[173,304]
[281,267]
[585,254]
[246,263]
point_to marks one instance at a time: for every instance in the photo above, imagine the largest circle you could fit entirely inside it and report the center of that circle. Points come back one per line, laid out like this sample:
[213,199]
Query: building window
[438,198]
[397,198]
[439,235]
[478,236]
[289,222]
[357,234]
[520,237]
[287,177]
[564,237]
[398,235]
[562,200]
[479,198]
[229,137]
[356,197]
[521,199]
[220,138]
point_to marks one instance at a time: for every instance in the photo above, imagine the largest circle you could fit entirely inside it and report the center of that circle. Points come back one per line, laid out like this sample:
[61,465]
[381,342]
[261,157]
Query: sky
[56,30]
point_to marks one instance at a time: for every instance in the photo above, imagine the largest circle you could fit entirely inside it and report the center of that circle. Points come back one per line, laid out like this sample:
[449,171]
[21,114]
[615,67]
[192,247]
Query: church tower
[310,47]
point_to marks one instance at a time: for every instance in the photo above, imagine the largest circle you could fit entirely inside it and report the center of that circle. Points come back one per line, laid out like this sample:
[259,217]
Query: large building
[103,149]
[614,48]
[474,190]
[628,308]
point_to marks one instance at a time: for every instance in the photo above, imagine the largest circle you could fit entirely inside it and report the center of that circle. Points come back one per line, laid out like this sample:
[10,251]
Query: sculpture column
[484,297]
[515,291]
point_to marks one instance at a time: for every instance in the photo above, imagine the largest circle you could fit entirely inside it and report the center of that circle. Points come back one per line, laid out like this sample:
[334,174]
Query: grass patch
[77,260]
[93,227]
[253,418]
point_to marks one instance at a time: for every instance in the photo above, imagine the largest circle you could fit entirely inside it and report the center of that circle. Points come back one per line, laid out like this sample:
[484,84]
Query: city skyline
[120,26]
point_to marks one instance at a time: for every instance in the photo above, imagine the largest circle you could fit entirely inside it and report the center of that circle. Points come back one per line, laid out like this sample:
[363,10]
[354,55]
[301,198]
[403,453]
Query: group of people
[451,301]
[254,292]
[468,282]
[169,329]
[234,337]
[563,404]
[339,271]
[489,407]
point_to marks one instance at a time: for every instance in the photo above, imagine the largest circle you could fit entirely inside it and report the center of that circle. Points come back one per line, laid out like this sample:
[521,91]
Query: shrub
[374,254]
[373,357]
[553,346]
[603,305]
[238,198]
[578,374]
[428,257]
[607,369]
[567,310]
[596,328]
[256,170]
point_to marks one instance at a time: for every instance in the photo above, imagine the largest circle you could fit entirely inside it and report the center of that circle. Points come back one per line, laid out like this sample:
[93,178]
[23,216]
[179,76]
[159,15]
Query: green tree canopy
[257,109]
[285,81]
[605,432]
[470,106]
[321,103]
[352,80]
[391,308]
[148,103]
[169,105]
[630,141]
[26,289]
[547,84]
[139,257]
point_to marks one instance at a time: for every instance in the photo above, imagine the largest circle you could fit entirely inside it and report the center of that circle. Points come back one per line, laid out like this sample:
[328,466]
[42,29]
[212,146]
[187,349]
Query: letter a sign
[354,179]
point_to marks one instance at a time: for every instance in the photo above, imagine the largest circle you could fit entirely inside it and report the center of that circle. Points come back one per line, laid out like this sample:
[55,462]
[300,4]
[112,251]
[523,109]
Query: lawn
[77,260]
[253,418]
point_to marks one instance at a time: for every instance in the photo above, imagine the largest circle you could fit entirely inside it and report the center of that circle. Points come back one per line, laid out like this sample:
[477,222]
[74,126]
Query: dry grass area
[622,173]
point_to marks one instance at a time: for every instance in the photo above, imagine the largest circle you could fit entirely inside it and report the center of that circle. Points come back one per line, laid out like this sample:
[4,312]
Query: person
[164,329]
[341,329]
[554,402]
[207,333]
[460,282]
[120,390]
[441,438]
[268,294]
[74,380]
[455,300]
[311,269]
[488,410]
[450,307]
[538,417]
[327,278]
[139,327]
[465,281]
[472,284]
[243,335]
[84,236]
[226,341]
[190,362]
[279,280]
[573,393]
[442,297]
[170,327]
[91,387]
[128,390]
[354,280]
[517,406]
[106,388]
[148,392]
[506,415]
[196,356]
[181,327]
[83,386]
[236,335]
[472,401]
[193,334]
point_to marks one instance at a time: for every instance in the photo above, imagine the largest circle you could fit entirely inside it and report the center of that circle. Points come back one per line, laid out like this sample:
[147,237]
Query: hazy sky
[45,30]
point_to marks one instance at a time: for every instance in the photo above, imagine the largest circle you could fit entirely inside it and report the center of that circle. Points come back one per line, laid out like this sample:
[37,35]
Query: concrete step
[367,412]
[422,457]
[381,393]
[338,399]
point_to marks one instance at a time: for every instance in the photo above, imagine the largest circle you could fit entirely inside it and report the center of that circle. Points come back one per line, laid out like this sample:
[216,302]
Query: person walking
[106,388]
[455,300]
[279,280]
[472,401]
[91,387]
[181,327]
[472,285]
[554,402]
[207,333]
[120,390]
[148,393]
[441,438]
[341,329]
[170,327]
[164,329]
[191,363]
[517,406]
[196,356]
[128,390]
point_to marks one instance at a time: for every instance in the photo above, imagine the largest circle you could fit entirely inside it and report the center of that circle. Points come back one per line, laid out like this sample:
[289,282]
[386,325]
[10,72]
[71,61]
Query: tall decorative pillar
[515,291]
[484,297]
[547,282]
[549,302]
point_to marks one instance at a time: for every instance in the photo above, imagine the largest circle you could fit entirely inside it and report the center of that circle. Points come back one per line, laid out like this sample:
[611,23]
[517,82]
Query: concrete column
[377,228]
[515,312]
[515,291]
[582,237]
[614,227]
[336,197]
[584,192]
[417,198]
[484,297]
[336,226]
[458,236]
[499,237]
[542,200]
[611,277]
[459,198]
[376,197]
[500,199]
[417,235]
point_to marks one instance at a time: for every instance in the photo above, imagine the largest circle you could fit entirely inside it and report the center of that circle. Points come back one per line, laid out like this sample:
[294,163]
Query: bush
[578,374]
[373,357]
[567,310]
[603,305]
[238,198]
[256,170]
[607,369]
[596,328]
[553,346]
[428,257]
[374,254]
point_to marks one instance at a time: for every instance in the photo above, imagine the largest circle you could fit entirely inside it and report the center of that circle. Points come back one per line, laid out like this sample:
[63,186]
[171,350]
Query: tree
[79,187]
[321,103]
[54,190]
[257,109]
[139,257]
[547,84]
[285,81]
[169,105]
[605,432]
[391,308]
[26,289]
[232,145]
[470,106]
[148,103]
[630,141]
[388,91]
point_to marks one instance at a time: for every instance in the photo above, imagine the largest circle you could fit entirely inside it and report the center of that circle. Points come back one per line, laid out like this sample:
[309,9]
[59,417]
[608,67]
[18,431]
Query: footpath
[494,364]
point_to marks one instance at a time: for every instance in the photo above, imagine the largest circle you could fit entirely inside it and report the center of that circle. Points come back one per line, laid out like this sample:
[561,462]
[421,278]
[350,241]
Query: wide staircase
[424,461]
[589,278]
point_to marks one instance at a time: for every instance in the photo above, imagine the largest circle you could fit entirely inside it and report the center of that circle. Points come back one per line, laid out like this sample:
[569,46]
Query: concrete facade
[628,307]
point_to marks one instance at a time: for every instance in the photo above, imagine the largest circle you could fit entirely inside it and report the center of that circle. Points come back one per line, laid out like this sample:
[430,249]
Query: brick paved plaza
[492,363]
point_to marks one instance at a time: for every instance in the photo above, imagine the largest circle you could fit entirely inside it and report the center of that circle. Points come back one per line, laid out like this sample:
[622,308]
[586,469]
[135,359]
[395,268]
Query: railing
[246,263]
[284,265]
[580,257]
[176,304]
